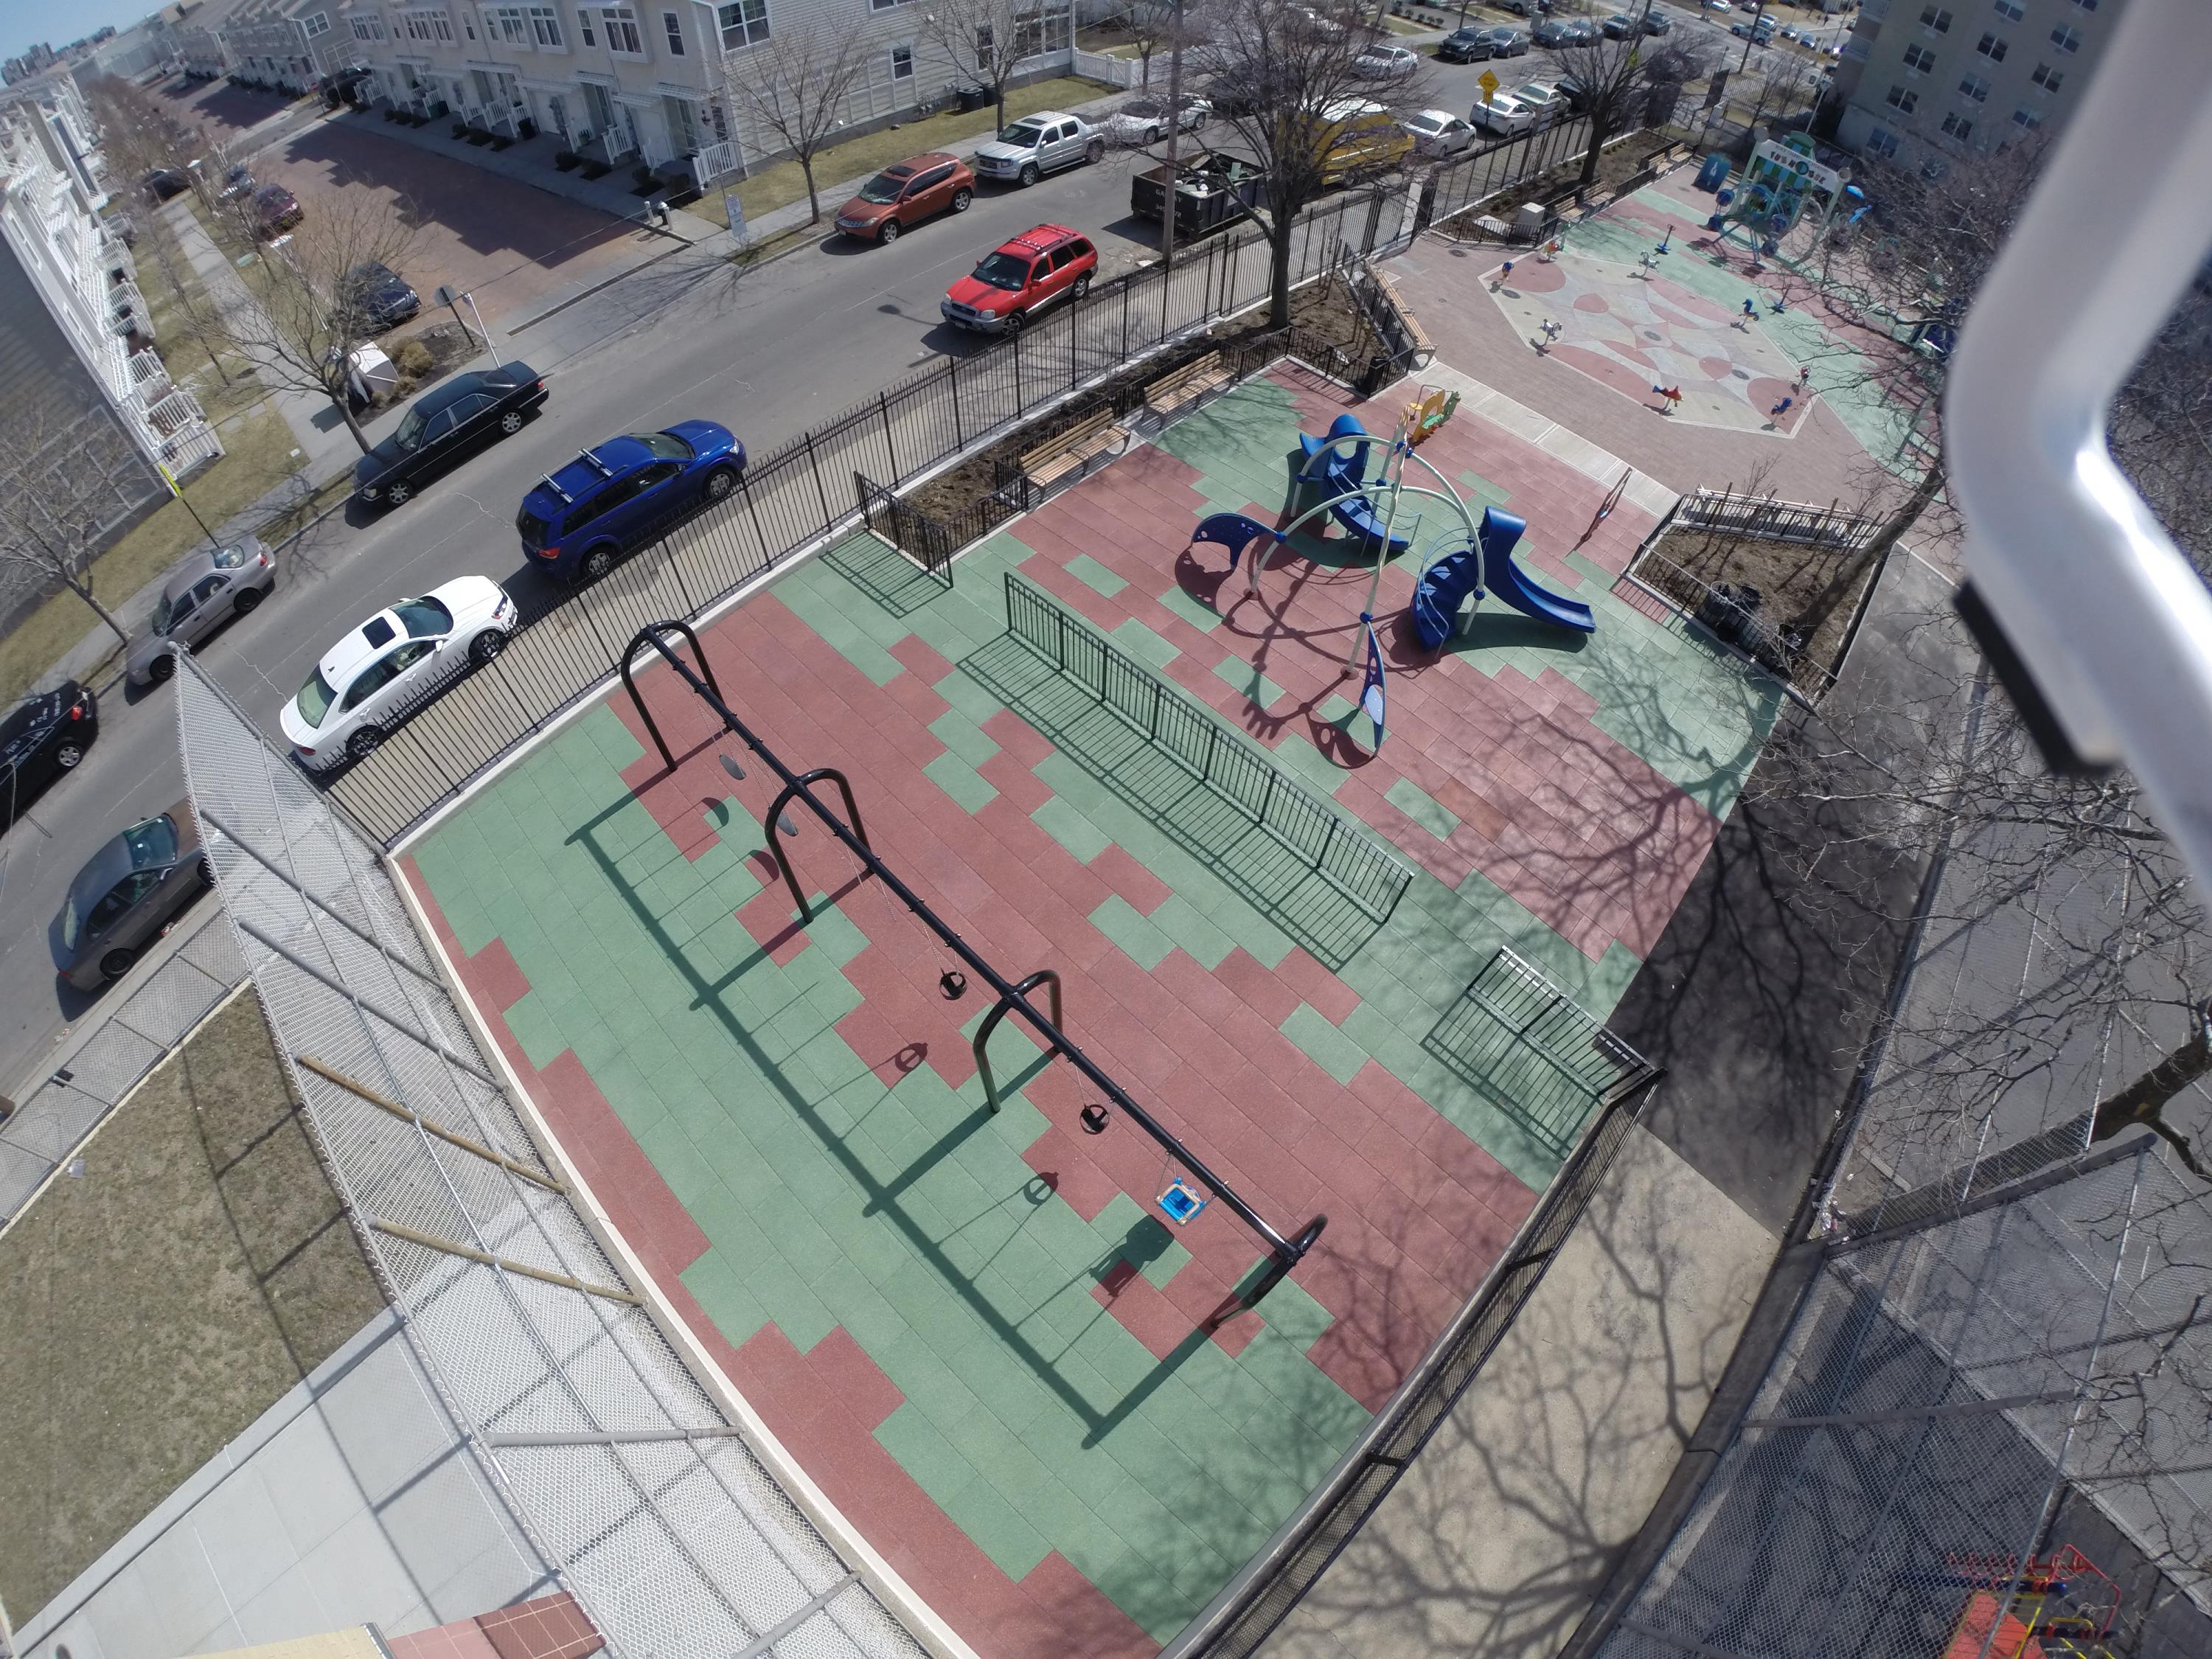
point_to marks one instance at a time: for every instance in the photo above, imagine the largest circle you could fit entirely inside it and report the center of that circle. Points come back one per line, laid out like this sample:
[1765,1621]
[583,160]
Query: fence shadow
[892,579]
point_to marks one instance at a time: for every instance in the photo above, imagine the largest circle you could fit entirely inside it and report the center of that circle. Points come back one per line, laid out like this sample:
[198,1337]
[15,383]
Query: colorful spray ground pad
[1029,1390]
[1636,329]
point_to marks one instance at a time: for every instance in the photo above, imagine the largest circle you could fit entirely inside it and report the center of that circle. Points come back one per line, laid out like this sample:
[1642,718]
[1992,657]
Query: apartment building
[1923,80]
[82,391]
[647,81]
[297,44]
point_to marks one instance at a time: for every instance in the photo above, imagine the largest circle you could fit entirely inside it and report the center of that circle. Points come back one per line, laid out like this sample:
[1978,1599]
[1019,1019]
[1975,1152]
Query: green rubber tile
[1134,639]
[1328,1047]
[541,1040]
[1290,1311]
[1199,616]
[1482,490]
[964,736]
[719,1284]
[1198,934]
[1424,809]
[961,781]
[1072,829]
[1248,682]
[923,1452]
[1297,757]
[1093,575]
[1144,943]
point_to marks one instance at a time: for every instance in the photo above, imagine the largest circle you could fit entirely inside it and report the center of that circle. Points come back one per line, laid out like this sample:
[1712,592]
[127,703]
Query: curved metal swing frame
[1044,977]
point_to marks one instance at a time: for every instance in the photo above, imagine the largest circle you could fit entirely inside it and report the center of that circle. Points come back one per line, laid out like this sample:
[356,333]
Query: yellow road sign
[1488,82]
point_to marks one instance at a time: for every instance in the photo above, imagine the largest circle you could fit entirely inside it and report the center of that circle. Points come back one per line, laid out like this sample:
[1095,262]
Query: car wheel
[960,198]
[720,483]
[400,495]
[1029,174]
[1082,285]
[244,603]
[365,741]
[163,667]
[598,562]
[1151,135]
[69,755]
[888,233]
[486,646]
[1096,149]
[207,871]
[511,423]
[116,962]
[1017,321]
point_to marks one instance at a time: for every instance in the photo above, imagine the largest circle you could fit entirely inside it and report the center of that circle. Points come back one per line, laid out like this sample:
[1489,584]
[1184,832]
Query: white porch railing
[715,162]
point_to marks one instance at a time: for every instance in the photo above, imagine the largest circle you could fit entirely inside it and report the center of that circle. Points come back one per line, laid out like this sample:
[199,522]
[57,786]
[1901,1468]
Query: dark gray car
[121,901]
[203,591]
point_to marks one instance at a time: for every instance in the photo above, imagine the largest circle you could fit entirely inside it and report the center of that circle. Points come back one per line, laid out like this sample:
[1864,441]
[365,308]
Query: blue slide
[1341,472]
[1443,587]
[1503,578]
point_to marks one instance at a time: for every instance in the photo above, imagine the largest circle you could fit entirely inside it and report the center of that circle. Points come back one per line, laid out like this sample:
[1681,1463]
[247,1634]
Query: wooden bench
[1424,347]
[1074,449]
[1187,384]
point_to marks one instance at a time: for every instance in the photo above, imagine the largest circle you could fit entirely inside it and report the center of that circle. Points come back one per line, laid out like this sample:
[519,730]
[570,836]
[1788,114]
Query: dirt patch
[1789,580]
[1322,312]
[1617,173]
[443,347]
[160,1301]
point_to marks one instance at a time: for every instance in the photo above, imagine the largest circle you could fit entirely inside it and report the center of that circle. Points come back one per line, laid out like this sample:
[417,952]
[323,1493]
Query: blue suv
[580,520]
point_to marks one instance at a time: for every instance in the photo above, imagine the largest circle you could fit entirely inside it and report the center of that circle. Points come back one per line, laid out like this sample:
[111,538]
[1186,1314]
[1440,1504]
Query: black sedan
[444,427]
[44,735]
[379,297]
[1477,45]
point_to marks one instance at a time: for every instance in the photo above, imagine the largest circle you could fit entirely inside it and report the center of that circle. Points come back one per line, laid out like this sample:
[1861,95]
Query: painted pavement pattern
[973,1330]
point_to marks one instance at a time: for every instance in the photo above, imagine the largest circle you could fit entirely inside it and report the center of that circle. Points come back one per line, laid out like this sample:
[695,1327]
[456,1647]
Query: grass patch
[198,1269]
[780,186]
[258,458]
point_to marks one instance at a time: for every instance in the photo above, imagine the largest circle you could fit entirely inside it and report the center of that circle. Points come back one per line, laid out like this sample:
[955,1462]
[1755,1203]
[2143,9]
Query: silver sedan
[202,591]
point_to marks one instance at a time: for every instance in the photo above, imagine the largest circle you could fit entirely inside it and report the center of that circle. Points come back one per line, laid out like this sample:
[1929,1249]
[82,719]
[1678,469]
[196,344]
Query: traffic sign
[1488,83]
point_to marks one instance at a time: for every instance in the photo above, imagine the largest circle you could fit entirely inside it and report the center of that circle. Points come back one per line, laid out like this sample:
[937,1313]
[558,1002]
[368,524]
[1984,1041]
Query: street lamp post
[1169,196]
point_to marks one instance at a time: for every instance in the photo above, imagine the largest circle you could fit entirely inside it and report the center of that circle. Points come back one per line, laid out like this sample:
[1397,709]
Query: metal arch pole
[1287,1252]
[629,680]
[1044,977]
[775,846]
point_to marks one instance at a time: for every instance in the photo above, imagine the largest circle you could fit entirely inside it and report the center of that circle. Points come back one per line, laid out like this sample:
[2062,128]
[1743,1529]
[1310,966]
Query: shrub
[413,357]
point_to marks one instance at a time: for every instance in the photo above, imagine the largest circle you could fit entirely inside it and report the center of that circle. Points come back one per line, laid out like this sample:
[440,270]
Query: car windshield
[229,558]
[1023,135]
[411,429]
[151,844]
[1140,108]
[314,700]
[664,446]
[883,189]
[423,619]
[1426,123]
[164,612]
[1005,271]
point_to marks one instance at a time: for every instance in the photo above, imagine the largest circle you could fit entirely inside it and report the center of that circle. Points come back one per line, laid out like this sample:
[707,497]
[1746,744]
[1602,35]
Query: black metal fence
[1348,858]
[1771,520]
[797,496]
[933,539]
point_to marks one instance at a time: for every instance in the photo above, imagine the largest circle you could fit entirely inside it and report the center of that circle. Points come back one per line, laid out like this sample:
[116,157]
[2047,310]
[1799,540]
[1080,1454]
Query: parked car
[907,194]
[127,892]
[44,735]
[1545,98]
[1021,277]
[1363,137]
[1758,31]
[379,297]
[1027,150]
[1657,22]
[443,426]
[276,209]
[1439,135]
[1480,45]
[1580,32]
[202,591]
[1145,121]
[1382,62]
[159,184]
[237,179]
[368,679]
[1523,8]
[607,501]
[1554,31]
[1504,115]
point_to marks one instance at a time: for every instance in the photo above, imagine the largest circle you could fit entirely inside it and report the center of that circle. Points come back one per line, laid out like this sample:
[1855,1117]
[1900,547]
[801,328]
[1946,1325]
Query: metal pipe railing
[1287,1252]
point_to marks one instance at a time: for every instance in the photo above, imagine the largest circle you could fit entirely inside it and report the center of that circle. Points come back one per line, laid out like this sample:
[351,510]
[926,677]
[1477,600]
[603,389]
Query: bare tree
[68,479]
[1617,83]
[987,39]
[795,84]
[1151,26]
[305,312]
[1282,79]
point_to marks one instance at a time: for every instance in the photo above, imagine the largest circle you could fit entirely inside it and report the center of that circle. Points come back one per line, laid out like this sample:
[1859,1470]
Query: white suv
[1027,150]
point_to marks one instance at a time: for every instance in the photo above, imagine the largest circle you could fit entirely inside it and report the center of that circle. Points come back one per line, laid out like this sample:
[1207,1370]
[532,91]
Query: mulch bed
[1789,576]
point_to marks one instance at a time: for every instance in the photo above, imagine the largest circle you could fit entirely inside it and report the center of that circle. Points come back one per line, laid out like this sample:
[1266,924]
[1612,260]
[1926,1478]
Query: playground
[1057,1332]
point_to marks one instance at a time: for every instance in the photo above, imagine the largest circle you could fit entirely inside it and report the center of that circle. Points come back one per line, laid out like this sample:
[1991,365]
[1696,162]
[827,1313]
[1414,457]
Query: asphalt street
[768,351]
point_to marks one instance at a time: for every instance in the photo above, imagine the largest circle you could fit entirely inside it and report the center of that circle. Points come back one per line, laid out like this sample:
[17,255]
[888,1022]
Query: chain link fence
[624,1473]
[44,1132]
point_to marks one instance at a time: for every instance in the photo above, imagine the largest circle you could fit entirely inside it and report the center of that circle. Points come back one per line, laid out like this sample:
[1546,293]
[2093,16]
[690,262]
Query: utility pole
[1170,197]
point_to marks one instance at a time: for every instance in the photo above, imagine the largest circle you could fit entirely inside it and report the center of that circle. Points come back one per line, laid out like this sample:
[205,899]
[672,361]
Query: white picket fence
[1113,71]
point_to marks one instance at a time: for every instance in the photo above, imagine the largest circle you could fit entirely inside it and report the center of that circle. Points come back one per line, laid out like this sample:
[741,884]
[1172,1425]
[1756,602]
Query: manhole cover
[1741,373]
[1650,333]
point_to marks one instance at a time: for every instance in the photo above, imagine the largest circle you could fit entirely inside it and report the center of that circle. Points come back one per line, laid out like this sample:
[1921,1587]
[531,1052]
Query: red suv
[1030,271]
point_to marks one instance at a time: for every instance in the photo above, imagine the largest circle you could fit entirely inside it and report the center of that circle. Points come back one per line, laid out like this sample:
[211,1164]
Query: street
[768,351]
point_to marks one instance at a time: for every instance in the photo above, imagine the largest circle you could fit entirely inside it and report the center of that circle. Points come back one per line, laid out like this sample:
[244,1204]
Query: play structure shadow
[1488,629]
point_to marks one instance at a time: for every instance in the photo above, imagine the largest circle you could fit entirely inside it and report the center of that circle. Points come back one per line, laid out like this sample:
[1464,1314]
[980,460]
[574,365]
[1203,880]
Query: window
[2087,5]
[317,25]
[2066,39]
[545,27]
[745,23]
[1957,127]
[885,5]
[1976,88]
[1992,47]
[1881,141]
[2027,119]
[469,24]
[902,62]
[367,29]
[441,28]
[620,23]
[584,26]
[507,23]
[1937,18]
[2011,10]
[1901,100]
[674,25]
[1919,59]
[2047,77]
